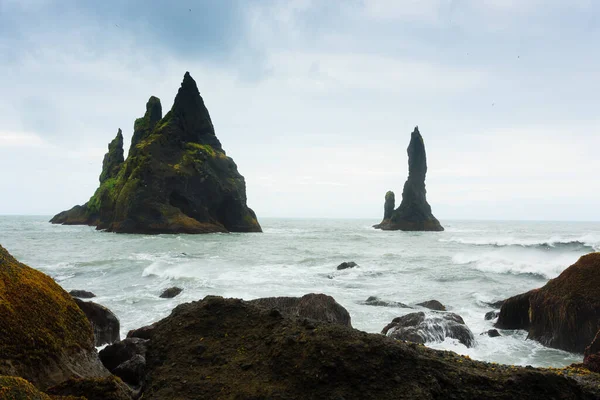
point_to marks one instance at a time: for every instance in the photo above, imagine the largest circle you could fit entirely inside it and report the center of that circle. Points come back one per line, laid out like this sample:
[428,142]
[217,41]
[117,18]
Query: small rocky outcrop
[82,294]
[423,328]
[319,307]
[376,301]
[591,355]
[104,322]
[176,179]
[490,315]
[45,338]
[565,313]
[230,349]
[126,359]
[492,333]
[414,213]
[433,305]
[145,332]
[110,388]
[346,265]
[170,292]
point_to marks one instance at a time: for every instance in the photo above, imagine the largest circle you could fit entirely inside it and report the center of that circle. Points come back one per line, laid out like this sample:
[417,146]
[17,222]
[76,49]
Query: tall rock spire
[414,213]
[113,159]
[144,126]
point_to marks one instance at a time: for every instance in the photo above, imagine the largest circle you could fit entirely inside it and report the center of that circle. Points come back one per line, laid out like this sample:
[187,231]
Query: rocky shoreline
[282,348]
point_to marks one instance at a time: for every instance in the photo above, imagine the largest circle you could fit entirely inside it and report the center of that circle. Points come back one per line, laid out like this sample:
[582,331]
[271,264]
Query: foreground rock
[170,293]
[44,336]
[591,356]
[414,213]
[82,294]
[565,313]
[110,388]
[423,328]
[229,349]
[126,359]
[104,322]
[176,179]
[319,307]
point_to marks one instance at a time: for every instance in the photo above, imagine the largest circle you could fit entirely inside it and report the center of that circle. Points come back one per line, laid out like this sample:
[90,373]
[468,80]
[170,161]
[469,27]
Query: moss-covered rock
[565,313]
[109,388]
[176,179]
[414,213]
[44,336]
[113,159]
[229,349]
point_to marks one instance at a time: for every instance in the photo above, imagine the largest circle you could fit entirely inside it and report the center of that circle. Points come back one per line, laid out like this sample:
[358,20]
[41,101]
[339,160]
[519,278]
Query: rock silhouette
[414,213]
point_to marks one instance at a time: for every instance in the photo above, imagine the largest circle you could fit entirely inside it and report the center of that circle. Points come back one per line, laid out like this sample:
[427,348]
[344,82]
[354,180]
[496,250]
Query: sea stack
[414,213]
[176,179]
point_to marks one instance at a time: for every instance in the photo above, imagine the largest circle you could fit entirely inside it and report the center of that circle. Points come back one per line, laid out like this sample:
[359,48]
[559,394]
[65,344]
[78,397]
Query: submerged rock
[82,294]
[492,333]
[104,322]
[230,349]
[563,314]
[45,338]
[346,265]
[490,315]
[319,307]
[176,179]
[376,301]
[422,328]
[414,213]
[170,292]
[433,305]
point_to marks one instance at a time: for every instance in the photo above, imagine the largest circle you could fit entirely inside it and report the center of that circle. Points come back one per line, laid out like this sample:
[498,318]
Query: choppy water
[467,265]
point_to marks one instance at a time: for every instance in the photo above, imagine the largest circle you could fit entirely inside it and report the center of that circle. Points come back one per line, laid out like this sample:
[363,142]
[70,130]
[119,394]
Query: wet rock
[132,371]
[82,294]
[433,305]
[105,324]
[117,353]
[144,332]
[176,179]
[170,293]
[44,337]
[249,354]
[376,301]
[319,307]
[490,315]
[346,265]
[492,333]
[414,213]
[562,314]
[591,355]
[422,328]
[496,304]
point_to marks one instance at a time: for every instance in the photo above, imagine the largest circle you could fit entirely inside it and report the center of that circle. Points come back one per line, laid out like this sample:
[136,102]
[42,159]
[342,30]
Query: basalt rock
[117,353]
[44,336]
[319,307]
[414,213]
[104,322]
[423,328]
[433,305]
[176,179]
[170,292]
[565,313]
[230,349]
[346,265]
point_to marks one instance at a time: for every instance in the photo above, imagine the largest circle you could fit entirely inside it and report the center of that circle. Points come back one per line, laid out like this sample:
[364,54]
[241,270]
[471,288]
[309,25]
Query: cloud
[9,139]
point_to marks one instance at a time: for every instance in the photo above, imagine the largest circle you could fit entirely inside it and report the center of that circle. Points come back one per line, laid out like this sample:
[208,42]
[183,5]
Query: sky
[315,100]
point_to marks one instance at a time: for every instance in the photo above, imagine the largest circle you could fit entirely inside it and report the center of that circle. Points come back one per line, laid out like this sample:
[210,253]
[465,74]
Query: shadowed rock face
[176,179]
[565,313]
[414,213]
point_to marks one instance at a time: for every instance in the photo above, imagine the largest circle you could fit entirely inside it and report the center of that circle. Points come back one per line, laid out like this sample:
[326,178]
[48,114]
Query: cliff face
[414,213]
[176,179]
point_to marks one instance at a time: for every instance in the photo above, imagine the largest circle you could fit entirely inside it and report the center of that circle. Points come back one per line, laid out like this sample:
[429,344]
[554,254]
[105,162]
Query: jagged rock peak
[414,213]
[190,113]
[113,159]
[144,126]
[153,110]
[390,204]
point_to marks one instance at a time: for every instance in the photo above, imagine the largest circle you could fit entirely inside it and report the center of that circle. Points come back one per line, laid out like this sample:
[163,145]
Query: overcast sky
[316,100]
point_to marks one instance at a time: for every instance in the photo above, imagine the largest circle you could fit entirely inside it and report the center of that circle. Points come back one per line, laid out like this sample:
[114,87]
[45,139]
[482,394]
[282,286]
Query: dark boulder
[376,301]
[433,305]
[176,179]
[492,333]
[414,213]
[82,294]
[117,353]
[105,324]
[230,349]
[490,315]
[132,371]
[422,328]
[565,313]
[319,307]
[170,292]
[44,337]
[591,355]
[346,265]
[145,332]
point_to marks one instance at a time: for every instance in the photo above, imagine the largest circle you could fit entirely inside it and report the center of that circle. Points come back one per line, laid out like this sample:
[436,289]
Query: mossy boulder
[230,349]
[414,212]
[109,388]
[565,313]
[15,388]
[44,336]
[177,178]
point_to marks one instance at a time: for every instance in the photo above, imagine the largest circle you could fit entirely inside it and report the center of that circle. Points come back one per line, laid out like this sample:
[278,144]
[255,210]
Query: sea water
[468,265]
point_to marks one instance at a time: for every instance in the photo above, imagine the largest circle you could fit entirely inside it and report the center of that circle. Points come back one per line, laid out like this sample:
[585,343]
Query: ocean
[465,267]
